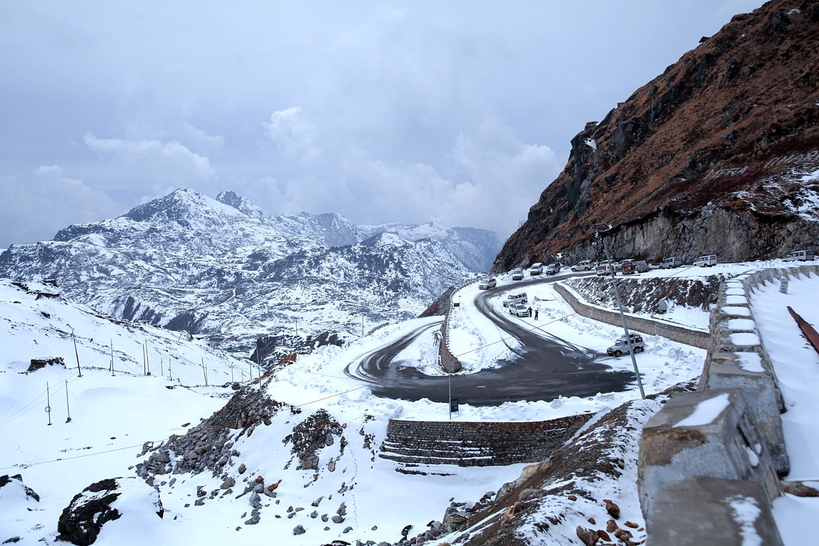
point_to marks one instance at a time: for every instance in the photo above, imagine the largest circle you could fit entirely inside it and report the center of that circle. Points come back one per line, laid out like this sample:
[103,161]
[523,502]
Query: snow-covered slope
[217,267]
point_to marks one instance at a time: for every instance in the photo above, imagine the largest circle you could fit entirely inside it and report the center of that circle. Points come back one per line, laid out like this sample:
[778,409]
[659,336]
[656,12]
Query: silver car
[621,346]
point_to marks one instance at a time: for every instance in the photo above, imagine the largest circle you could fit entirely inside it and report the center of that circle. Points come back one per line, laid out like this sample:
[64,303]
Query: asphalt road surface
[543,369]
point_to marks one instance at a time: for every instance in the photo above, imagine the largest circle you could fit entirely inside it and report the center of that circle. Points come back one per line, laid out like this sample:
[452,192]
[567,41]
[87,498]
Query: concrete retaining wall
[486,443]
[449,361]
[679,334]
[740,450]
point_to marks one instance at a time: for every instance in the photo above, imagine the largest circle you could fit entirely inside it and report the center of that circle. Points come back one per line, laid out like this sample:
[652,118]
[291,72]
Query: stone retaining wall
[469,443]
[679,334]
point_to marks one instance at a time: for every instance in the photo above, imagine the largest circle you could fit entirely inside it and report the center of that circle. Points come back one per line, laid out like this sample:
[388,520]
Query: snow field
[796,365]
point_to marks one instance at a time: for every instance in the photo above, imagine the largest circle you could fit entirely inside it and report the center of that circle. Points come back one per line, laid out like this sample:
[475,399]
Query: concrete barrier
[705,433]
[688,465]
[699,511]
[738,359]
[680,334]
[449,362]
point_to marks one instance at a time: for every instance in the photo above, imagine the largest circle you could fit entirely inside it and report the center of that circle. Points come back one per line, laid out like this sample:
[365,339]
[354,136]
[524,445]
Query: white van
[799,256]
[512,299]
[708,260]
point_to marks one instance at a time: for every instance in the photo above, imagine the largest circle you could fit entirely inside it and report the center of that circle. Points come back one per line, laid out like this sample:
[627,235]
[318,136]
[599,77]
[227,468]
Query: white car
[486,284]
[606,268]
[536,269]
[585,265]
[709,260]
[513,299]
[517,274]
[519,310]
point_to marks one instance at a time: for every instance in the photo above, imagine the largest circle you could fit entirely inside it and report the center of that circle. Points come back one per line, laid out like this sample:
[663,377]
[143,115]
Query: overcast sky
[459,112]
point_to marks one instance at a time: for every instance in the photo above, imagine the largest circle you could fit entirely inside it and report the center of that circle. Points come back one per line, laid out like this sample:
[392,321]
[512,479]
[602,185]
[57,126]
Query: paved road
[544,369]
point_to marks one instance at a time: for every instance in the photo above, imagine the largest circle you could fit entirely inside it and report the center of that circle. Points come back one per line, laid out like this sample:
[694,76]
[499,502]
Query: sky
[457,112]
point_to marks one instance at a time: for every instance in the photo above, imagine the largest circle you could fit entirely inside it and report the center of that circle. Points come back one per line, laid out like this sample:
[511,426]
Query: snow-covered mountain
[219,268]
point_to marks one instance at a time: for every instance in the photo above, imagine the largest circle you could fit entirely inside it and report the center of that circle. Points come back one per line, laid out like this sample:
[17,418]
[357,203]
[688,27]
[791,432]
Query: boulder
[83,519]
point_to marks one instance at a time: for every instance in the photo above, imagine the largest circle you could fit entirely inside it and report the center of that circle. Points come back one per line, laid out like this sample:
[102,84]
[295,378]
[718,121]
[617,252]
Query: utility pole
[603,228]
[112,358]
[67,406]
[147,360]
[205,371]
[76,353]
[48,404]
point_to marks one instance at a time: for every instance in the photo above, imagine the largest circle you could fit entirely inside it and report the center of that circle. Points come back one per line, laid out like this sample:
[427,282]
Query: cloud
[46,201]
[199,138]
[293,134]
[489,180]
[169,159]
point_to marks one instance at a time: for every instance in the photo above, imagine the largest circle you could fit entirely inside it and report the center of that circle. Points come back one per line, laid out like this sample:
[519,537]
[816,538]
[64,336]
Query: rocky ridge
[717,155]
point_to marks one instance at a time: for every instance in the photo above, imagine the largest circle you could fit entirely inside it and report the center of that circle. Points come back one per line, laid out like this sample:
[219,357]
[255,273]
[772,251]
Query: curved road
[546,368]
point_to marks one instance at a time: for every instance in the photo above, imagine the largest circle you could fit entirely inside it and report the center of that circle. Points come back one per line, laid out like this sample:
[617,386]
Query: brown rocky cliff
[710,157]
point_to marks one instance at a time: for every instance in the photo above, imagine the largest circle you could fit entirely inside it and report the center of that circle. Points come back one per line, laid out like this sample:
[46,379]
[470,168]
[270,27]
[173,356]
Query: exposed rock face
[208,445]
[717,155]
[29,492]
[311,435]
[645,295]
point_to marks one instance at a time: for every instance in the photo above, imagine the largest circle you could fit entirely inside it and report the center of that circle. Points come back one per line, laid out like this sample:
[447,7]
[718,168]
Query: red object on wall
[807,329]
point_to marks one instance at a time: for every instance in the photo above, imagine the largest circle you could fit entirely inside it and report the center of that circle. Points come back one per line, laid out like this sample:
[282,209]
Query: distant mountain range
[219,268]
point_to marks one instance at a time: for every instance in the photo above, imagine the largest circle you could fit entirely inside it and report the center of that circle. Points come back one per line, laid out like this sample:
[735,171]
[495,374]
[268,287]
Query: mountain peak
[242,204]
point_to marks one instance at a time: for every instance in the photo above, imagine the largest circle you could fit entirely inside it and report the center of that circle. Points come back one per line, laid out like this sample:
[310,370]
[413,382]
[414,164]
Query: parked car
[519,310]
[641,266]
[585,265]
[512,299]
[621,346]
[517,274]
[672,261]
[552,269]
[536,269]
[486,284]
[800,256]
[708,260]
[627,267]
[605,268]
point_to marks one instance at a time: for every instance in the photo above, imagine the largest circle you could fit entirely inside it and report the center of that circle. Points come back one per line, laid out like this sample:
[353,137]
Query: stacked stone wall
[467,443]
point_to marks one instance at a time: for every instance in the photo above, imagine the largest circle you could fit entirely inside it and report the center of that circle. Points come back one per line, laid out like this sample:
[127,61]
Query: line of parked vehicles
[627,267]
